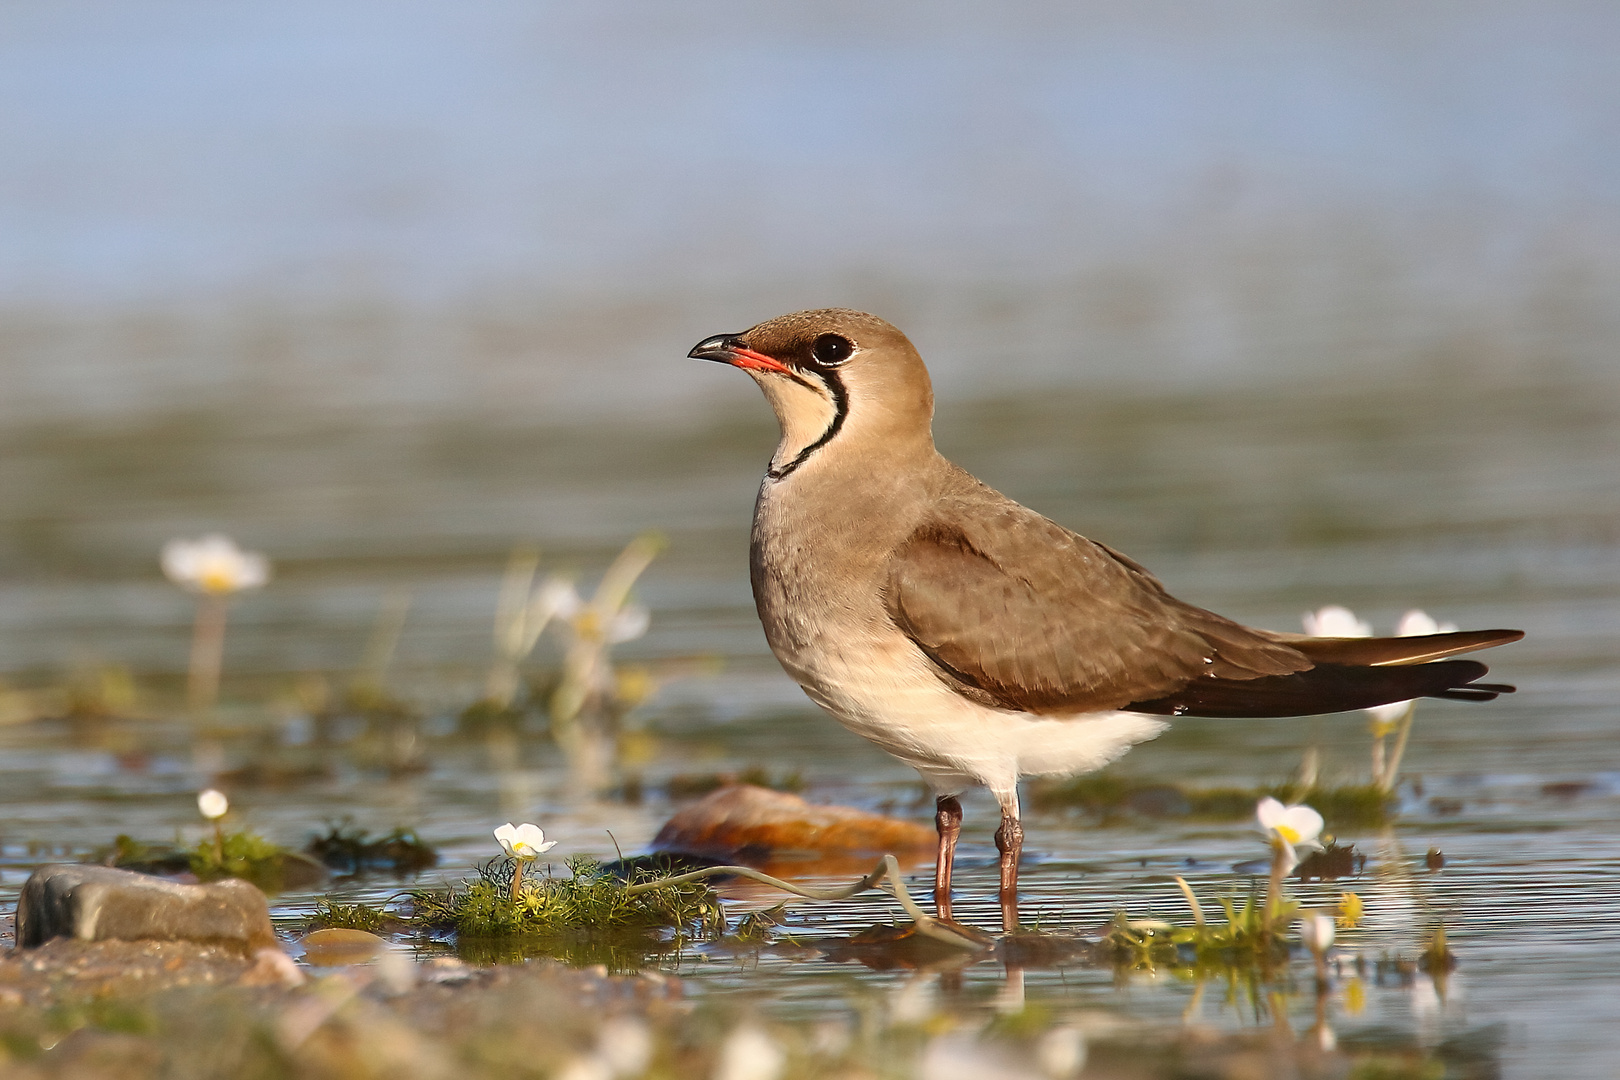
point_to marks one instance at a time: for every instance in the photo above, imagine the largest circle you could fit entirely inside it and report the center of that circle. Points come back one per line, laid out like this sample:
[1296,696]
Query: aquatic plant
[588,701]
[589,901]
[213,567]
[1253,933]
[1349,910]
[1108,795]
[1395,717]
[213,805]
[332,915]
[244,854]
[522,844]
[522,614]
[1247,938]
[350,850]
[1285,827]
[239,854]
[1316,933]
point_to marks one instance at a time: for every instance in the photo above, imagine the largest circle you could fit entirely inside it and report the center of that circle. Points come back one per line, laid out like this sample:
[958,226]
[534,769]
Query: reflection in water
[1264,505]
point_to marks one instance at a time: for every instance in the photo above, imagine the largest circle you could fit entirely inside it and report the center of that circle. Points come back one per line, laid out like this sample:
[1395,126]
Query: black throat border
[840,397]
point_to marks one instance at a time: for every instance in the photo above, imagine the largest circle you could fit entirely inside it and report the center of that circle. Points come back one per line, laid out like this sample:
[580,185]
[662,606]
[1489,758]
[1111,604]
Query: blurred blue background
[533,208]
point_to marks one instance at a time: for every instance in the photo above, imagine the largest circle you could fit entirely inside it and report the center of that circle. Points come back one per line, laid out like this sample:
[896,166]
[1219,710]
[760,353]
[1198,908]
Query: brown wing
[1020,613]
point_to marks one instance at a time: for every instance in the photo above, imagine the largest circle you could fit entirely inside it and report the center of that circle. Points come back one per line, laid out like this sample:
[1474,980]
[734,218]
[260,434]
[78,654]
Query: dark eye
[831,349]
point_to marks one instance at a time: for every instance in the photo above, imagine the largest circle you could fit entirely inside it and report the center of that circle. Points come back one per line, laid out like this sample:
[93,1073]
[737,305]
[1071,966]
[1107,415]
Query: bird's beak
[729,349]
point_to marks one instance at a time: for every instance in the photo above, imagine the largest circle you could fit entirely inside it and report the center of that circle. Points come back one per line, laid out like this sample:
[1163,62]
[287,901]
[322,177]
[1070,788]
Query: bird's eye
[831,349]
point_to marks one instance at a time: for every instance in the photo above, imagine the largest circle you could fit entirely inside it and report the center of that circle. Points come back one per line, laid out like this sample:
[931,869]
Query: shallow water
[1487,505]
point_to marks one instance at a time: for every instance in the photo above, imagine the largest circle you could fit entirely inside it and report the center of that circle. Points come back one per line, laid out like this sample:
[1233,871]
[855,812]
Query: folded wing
[1019,613]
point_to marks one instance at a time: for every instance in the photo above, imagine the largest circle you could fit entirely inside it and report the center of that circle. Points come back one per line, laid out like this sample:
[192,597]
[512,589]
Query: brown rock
[100,903]
[760,827]
[337,947]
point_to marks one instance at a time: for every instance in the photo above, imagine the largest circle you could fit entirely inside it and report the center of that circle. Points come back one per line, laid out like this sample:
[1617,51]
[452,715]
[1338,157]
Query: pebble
[100,903]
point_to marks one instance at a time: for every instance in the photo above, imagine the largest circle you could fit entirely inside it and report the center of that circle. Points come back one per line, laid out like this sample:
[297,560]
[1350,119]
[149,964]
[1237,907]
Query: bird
[976,640]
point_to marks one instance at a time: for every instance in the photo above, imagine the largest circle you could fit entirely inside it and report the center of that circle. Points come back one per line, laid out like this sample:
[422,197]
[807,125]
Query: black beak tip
[718,348]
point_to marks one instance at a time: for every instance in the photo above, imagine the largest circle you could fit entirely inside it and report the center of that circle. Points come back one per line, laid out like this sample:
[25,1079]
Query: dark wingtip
[1476,692]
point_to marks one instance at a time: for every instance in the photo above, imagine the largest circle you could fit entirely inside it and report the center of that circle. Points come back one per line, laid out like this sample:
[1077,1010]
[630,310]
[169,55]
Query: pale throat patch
[805,414]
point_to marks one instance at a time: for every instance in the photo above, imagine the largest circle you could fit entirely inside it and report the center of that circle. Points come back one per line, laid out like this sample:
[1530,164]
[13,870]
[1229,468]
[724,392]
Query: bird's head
[833,376]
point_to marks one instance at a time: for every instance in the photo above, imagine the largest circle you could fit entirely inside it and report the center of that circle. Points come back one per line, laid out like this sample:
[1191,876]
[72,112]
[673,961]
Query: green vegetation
[331,915]
[1109,796]
[129,853]
[589,901]
[251,857]
[1246,939]
[349,850]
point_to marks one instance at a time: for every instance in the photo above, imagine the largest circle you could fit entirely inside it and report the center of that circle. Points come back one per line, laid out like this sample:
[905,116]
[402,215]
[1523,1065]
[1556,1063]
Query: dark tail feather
[1325,688]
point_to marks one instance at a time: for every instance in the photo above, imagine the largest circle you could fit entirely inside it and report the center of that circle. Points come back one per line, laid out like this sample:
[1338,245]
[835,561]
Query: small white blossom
[1316,931]
[1417,623]
[213,564]
[1414,623]
[1291,826]
[212,804]
[1335,621]
[524,842]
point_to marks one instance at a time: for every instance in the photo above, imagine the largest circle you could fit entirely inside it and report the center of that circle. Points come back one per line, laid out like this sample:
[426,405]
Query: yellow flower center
[217,579]
[1288,833]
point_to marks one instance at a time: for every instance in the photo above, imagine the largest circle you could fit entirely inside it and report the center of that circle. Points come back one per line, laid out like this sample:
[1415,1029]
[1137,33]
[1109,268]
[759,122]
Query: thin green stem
[1392,770]
[1280,865]
[517,879]
[1192,901]
[207,652]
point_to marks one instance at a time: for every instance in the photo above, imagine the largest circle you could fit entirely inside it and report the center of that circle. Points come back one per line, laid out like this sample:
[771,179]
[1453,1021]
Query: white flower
[214,564]
[1414,623]
[1335,621]
[1289,826]
[558,596]
[749,1054]
[212,804]
[524,842]
[1417,623]
[1316,931]
[602,619]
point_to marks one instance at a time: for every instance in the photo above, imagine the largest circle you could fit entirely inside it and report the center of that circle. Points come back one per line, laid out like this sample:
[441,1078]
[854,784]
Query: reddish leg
[948,820]
[1010,842]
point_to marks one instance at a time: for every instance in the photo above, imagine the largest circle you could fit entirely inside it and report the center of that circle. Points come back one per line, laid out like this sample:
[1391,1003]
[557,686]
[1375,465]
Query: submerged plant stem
[1280,865]
[1392,769]
[1192,901]
[207,652]
[888,869]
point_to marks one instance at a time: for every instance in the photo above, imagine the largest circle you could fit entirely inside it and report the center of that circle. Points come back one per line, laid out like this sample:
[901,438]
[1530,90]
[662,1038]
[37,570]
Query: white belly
[888,693]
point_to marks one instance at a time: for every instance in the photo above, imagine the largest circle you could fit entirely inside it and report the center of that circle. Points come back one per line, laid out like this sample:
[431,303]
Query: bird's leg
[1010,842]
[948,820]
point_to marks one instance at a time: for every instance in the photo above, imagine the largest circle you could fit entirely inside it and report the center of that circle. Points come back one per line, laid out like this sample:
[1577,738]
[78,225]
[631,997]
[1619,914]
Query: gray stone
[99,903]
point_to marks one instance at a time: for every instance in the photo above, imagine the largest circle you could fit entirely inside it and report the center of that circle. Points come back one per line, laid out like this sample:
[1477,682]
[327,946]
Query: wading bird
[976,640]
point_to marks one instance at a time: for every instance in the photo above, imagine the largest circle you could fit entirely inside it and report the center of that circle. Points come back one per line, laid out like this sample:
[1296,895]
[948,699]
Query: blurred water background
[1296,303]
